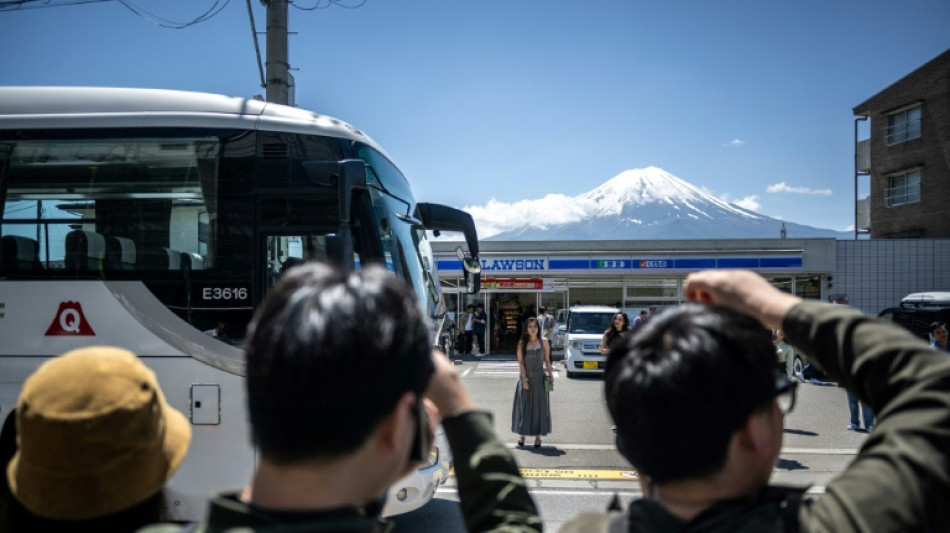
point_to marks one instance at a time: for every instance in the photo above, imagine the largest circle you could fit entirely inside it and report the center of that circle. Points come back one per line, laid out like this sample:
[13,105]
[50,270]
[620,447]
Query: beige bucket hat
[95,436]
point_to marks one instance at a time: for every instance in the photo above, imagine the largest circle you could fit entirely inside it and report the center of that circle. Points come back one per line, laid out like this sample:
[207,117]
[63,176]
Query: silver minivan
[586,325]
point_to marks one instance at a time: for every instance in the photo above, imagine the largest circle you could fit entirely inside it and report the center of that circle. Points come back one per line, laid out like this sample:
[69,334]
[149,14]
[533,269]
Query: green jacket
[900,479]
[493,494]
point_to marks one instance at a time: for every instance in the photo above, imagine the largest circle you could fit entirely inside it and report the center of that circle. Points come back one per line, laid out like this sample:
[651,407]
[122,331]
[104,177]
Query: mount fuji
[650,203]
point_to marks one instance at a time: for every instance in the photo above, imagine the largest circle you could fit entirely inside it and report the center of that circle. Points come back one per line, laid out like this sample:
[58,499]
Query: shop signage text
[536,284]
[539,265]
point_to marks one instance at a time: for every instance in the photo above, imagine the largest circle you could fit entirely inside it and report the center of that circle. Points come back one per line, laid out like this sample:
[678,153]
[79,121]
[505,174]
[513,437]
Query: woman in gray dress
[531,412]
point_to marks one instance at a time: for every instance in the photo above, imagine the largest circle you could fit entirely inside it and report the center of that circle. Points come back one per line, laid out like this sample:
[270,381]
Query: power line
[12,5]
[216,7]
[257,46]
[321,5]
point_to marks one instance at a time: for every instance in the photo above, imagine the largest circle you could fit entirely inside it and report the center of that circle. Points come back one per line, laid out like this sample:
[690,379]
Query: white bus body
[140,218]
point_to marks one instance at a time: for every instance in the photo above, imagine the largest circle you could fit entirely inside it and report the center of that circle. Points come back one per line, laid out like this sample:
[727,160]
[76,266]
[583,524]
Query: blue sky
[510,100]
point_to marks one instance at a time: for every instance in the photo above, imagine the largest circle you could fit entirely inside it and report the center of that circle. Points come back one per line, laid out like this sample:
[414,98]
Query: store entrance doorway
[511,310]
[506,309]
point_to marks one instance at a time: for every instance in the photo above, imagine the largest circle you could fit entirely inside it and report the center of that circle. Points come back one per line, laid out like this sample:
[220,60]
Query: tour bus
[158,220]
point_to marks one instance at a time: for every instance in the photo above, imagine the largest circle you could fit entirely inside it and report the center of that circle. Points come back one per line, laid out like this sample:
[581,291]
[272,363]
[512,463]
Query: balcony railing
[905,194]
[902,132]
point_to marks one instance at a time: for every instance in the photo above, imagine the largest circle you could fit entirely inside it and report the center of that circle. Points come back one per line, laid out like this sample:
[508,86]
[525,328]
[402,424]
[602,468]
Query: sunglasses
[785,393]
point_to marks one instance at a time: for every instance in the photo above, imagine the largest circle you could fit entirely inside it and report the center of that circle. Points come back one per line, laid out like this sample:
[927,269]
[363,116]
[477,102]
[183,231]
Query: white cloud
[782,187]
[496,217]
[750,202]
[849,228]
[735,142]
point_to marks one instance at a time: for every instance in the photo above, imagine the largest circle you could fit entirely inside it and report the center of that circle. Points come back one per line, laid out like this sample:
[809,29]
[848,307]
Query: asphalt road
[578,468]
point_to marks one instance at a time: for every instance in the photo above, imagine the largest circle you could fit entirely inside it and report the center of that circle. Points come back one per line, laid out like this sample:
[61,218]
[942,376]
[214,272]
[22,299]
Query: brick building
[907,156]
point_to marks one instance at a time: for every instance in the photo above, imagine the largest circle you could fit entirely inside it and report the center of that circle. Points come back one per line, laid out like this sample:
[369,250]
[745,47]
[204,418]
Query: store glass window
[808,287]
[652,288]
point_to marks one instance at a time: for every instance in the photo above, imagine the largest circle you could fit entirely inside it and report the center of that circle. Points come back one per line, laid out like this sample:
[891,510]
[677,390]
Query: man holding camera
[700,407]
[339,365]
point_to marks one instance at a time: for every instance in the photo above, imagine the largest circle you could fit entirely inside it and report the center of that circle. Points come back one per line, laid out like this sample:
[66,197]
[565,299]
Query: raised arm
[492,493]
[900,480]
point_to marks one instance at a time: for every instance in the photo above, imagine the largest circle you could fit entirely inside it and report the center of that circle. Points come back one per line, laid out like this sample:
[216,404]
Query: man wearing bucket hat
[96,443]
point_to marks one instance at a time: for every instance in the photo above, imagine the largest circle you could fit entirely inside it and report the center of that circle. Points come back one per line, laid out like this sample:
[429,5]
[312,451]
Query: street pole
[278,66]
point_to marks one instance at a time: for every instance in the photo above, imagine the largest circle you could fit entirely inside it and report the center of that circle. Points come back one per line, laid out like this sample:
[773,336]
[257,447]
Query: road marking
[785,451]
[820,451]
[572,473]
[501,369]
[814,490]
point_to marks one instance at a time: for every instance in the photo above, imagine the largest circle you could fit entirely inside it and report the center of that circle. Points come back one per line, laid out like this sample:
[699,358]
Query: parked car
[560,332]
[918,310]
[803,367]
[586,325]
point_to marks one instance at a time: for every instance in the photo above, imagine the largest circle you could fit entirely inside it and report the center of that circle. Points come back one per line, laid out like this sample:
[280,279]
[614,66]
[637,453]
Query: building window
[903,189]
[903,126]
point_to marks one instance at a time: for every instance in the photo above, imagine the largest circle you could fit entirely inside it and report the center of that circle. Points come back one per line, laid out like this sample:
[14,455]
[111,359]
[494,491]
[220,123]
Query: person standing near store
[639,319]
[531,409]
[547,324]
[866,413]
[468,321]
[619,328]
[939,332]
[479,320]
[785,353]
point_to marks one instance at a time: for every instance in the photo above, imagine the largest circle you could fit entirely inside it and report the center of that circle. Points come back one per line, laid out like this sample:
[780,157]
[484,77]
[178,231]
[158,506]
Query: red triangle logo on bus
[70,320]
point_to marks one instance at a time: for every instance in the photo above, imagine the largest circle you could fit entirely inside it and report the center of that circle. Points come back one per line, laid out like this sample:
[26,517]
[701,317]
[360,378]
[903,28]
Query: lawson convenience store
[520,276]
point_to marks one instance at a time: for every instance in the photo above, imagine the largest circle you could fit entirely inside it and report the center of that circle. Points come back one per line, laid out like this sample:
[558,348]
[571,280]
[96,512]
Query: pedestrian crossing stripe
[573,473]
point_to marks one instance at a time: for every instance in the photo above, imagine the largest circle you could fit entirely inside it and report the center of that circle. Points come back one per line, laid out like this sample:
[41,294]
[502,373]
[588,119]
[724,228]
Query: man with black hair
[699,408]
[938,330]
[546,322]
[337,366]
[639,320]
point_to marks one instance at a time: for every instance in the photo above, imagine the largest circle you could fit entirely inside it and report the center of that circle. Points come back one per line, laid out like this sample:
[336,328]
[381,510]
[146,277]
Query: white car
[586,325]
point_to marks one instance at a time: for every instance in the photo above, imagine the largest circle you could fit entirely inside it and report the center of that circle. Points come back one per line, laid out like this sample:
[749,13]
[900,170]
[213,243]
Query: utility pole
[277,63]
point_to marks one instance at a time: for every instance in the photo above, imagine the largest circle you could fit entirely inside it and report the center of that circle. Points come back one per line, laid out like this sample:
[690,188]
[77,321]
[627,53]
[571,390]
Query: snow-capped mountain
[650,203]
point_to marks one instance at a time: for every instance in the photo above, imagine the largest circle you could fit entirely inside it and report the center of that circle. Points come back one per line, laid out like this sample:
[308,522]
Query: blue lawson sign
[515,265]
[615,264]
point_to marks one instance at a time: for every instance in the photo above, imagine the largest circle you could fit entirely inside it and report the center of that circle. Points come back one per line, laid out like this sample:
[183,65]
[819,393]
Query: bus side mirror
[438,217]
[471,271]
[347,175]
